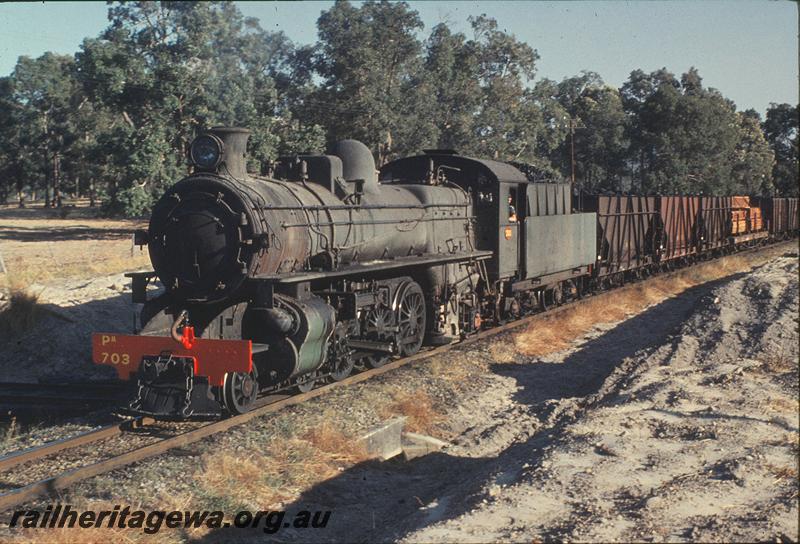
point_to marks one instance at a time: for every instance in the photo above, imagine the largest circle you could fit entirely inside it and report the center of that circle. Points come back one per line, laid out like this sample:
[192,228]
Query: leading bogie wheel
[239,391]
[306,386]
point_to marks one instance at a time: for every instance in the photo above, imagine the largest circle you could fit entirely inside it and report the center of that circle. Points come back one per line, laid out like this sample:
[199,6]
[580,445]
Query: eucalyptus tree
[46,91]
[166,70]
[753,160]
[596,124]
[683,134]
[362,70]
[781,128]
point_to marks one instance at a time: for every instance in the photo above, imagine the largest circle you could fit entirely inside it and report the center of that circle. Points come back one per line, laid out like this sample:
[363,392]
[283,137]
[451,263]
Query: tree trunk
[56,180]
[48,173]
[91,193]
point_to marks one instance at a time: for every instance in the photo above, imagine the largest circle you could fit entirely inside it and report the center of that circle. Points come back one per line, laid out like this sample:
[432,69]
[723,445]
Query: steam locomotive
[325,265]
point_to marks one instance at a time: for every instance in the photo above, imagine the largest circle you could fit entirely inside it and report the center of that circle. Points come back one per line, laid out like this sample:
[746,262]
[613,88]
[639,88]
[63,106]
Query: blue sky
[746,49]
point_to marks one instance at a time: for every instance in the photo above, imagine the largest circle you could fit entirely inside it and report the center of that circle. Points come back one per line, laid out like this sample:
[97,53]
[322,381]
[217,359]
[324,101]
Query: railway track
[263,406]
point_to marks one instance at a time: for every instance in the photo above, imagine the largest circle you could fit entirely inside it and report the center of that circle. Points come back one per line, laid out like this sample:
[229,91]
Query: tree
[754,159]
[165,71]
[477,97]
[507,123]
[366,59]
[114,122]
[46,89]
[683,135]
[14,156]
[453,93]
[781,129]
[594,112]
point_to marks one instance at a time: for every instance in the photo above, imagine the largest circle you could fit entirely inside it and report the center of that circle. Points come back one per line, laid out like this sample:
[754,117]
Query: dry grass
[38,246]
[554,333]
[8,435]
[503,352]
[783,405]
[266,480]
[19,315]
[417,406]
[782,473]
[338,447]
[780,358]
[458,370]
[26,272]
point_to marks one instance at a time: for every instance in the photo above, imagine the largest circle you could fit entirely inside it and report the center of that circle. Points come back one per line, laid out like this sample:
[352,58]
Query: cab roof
[458,168]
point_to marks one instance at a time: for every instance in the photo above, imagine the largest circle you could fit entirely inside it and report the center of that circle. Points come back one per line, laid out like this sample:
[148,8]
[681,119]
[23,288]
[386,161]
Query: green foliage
[113,122]
[753,159]
[366,60]
[684,136]
[166,71]
[130,202]
[782,129]
[594,118]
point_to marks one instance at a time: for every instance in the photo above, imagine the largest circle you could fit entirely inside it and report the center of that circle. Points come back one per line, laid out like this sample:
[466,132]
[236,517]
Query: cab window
[512,205]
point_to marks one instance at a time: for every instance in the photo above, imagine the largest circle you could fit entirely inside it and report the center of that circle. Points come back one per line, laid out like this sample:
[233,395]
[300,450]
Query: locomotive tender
[324,265]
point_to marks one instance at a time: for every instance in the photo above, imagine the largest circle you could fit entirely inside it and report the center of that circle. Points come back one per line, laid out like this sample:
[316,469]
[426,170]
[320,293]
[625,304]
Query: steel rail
[39,452]
[274,403]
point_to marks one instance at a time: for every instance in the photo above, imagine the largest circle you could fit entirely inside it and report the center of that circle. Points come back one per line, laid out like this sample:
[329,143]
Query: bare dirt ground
[40,246]
[693,436]
[678,422]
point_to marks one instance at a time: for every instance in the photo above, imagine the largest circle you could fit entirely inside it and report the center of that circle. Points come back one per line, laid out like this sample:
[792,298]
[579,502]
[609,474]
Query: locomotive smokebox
[357,162]
[221,149]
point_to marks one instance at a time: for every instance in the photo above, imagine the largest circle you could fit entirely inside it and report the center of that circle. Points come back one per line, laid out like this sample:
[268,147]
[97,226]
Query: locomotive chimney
[234,155]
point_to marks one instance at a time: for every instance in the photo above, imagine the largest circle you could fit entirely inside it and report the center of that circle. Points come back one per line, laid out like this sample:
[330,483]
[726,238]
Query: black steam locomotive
[324,265]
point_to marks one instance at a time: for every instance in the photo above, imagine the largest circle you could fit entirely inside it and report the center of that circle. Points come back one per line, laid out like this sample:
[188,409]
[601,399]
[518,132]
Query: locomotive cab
[536,239]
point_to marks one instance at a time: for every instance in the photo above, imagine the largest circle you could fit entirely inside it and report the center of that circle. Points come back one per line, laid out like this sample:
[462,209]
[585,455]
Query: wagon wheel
[542,300]
[379,321]
[574,289]
[239,391]
[553,297]
[411,319]
[580,287]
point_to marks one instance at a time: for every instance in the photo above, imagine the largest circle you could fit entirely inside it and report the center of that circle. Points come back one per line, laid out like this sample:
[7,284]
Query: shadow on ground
[57,349]
[381,502]
[58,234]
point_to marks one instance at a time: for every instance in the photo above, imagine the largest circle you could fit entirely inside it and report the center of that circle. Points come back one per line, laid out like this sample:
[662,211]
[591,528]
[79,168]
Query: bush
[131,202]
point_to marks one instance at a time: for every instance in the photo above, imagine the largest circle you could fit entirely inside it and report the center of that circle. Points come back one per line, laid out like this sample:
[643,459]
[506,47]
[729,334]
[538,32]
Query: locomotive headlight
[206,151]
